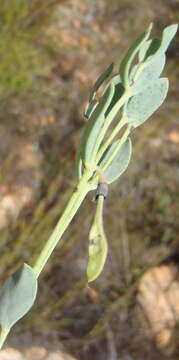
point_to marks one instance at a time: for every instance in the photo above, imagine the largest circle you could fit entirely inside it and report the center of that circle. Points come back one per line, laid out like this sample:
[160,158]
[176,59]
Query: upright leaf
[141,106]
[94,125]
[98,247]
[149,48]
[100,81]
[120,162]
[127,61]
[17,296]
[78,165]
[168,34]
[118,92]
[146,73]
[90,108]
[154,47]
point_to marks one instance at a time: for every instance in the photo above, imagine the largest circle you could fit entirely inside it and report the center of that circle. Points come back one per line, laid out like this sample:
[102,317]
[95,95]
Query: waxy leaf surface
[141,106]
[94,125]
[90,108]
[147,73]
[118,92]
[127,61]
[120,162]
[154,47]
[17,296]
[100,81]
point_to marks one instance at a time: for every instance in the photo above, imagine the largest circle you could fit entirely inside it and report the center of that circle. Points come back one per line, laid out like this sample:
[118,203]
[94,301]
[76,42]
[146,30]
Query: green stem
[3,336]
[99,211]
[109,119]
[68,214]
[116,130]
[120,143]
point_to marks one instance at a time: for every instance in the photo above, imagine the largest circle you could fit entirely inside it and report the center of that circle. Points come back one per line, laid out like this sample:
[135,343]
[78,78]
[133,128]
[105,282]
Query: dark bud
[102,189]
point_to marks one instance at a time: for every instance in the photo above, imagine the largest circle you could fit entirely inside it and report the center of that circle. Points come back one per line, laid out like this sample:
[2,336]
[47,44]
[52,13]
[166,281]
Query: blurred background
[51,52]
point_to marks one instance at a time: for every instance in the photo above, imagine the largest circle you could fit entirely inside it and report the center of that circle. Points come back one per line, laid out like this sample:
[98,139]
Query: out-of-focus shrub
[23,56]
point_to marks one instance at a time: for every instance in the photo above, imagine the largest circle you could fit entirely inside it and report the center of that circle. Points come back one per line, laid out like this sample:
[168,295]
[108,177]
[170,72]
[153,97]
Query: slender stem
[99,211]
[120,143]
[3,335]
[68,214]
[110,118]
[116,130]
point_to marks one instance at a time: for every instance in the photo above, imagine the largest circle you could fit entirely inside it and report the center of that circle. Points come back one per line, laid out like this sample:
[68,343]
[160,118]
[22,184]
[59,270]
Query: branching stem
[68,214]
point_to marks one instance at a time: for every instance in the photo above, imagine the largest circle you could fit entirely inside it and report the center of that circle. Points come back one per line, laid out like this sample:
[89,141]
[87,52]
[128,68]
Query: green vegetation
[136,93]
[23,55]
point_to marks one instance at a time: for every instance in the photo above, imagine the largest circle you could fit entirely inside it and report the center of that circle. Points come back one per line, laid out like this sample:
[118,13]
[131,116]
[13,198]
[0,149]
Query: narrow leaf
[100,81]
[94,125]
[168,34]
[141,106]
[120,162]
[149,48]
[118,92]
[127,61]
[98,247]
[17,296]
[79,166]
[154,47]
[90,108]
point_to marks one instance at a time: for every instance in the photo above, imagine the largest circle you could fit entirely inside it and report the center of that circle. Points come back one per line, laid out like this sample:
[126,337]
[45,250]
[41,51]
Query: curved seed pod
[98,247]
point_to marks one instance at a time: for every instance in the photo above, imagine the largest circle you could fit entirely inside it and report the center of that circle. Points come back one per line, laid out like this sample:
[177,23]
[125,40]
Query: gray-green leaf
[127,61]
[120,162]
[141,106]
[17,296]
[154,47]
[148,72]
[118,92]
[167,36]
[90,108]
[94,125]
[98,246]
[100,81]
[149,48]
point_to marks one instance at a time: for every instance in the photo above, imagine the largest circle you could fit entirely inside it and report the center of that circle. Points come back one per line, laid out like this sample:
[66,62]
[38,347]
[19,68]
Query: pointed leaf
[127,61]
[95,124]
[17,296]
[168,34]
[149,48]
[79,166]
[118,92]
[91,106]
[98,246]
[100,81]
[154,47]
[148,72]
[141,106]
[120,162]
